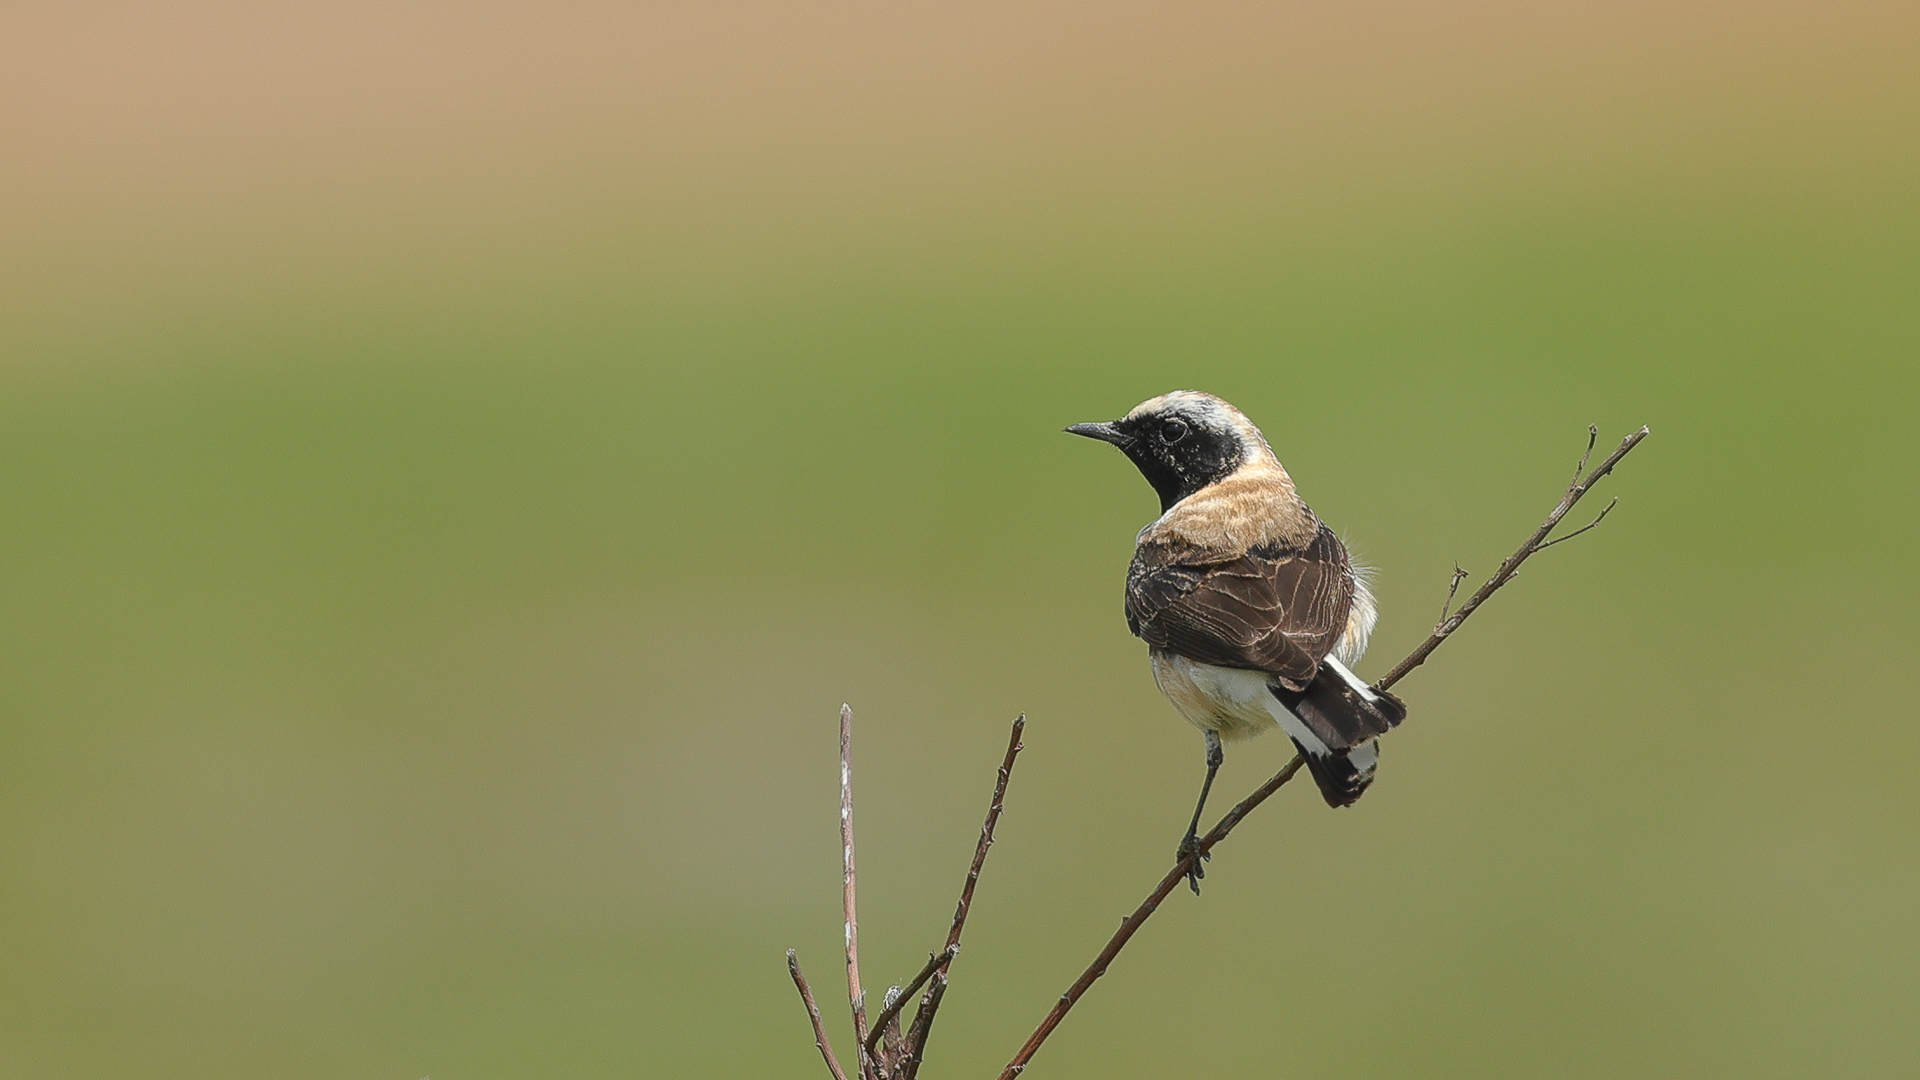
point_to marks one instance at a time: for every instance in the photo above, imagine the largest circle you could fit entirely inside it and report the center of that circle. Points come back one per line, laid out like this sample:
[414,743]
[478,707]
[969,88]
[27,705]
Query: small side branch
[856,998]
[1453,589]
[1537,542]
[1132,923]
[813,1014]
[1597,520]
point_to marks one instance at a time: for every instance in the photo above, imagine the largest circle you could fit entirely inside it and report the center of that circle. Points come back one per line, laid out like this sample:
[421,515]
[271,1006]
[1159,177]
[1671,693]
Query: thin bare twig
[1448,624]
[1575,490]
[856,998]
[813,1014]
[922,1024]
[929,1004]
[1132,923]
[994,807]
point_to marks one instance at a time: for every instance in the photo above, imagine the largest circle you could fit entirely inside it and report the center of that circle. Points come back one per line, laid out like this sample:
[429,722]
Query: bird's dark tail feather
[1342,717]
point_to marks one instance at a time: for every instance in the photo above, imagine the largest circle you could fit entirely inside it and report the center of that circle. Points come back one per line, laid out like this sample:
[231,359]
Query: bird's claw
[1190,848]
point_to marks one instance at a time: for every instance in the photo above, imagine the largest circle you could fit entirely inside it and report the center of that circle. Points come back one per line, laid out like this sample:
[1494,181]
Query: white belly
[1232,702]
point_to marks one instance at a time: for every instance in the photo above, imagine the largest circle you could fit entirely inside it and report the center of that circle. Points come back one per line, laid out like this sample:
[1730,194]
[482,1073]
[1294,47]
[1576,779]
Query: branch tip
[1597,520]
[1453,587]
[856,998]
[1593,435]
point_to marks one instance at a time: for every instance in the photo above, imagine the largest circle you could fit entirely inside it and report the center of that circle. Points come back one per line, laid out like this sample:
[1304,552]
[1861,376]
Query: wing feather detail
[1270,609]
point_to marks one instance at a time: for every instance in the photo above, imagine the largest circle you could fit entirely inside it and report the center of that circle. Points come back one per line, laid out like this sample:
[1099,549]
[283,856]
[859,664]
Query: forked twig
[935,961]
[813,1013]
[1600,517]
[1577,488]
[884,1054]
[1537,542]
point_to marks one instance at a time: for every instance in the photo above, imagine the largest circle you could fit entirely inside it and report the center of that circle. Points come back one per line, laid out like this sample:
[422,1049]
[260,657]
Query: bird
[1252,610]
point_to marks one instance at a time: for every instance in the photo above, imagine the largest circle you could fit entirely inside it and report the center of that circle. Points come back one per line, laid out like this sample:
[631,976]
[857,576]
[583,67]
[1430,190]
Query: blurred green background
[455,460]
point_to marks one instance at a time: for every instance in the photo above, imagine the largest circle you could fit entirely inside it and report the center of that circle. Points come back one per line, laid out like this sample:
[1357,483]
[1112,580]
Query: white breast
[1231,701]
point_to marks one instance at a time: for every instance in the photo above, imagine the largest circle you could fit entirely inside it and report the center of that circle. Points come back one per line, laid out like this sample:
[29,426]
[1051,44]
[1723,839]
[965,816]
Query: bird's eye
[1172,432]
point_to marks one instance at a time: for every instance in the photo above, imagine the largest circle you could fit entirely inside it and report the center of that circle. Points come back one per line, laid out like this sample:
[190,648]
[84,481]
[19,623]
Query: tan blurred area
[187,153]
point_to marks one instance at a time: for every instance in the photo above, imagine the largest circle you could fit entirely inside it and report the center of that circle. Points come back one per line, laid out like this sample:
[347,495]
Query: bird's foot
[1190,848]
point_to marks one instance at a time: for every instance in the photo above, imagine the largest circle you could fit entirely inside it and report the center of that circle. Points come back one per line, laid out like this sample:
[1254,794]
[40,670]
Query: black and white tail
[1336,722]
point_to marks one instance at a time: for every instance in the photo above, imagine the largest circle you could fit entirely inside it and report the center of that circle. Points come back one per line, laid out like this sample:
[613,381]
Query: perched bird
[1252,612]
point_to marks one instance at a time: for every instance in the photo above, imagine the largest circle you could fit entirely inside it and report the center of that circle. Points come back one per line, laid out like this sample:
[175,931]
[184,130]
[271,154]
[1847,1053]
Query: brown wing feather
[1270,610]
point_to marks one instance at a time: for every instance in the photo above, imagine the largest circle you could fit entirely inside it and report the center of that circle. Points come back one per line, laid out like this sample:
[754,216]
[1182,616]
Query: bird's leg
[1190,845]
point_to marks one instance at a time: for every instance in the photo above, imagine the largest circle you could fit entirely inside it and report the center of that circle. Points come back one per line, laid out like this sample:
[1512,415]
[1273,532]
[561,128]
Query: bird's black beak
[1104,431]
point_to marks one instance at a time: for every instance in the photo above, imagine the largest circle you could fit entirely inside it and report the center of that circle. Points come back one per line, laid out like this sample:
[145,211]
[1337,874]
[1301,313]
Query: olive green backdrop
[455,460]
